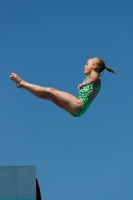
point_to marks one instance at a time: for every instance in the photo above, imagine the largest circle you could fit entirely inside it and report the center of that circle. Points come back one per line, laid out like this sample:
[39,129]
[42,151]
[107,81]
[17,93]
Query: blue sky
[48,43]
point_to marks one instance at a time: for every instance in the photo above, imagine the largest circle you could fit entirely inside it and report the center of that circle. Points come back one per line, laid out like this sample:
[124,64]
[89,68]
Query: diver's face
[88,67]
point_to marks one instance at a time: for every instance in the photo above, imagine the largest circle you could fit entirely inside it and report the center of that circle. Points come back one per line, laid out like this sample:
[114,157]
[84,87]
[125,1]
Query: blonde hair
[101,66]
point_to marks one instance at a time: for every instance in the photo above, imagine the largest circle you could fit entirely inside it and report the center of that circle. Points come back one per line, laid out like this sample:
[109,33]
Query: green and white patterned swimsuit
[83,94]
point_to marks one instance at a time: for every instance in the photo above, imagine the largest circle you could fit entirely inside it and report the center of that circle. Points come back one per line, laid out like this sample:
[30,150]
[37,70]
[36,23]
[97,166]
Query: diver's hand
[80,86]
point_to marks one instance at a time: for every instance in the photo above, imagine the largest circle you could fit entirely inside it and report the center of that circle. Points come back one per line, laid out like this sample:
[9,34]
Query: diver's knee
[51,90]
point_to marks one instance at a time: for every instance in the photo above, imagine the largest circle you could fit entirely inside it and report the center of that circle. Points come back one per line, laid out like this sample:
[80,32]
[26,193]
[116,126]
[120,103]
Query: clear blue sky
[48,43]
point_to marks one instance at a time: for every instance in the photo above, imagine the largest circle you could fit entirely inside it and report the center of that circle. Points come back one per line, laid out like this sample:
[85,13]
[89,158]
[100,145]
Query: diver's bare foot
[17,80]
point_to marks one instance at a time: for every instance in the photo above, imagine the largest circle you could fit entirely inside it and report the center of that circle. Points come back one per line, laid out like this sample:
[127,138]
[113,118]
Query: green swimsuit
[83,94]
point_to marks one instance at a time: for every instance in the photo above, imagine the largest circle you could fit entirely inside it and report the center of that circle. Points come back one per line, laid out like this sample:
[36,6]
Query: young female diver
[88,90]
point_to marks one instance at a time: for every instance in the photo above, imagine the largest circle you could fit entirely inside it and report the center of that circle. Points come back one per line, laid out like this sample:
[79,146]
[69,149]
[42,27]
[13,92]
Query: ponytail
[109,69]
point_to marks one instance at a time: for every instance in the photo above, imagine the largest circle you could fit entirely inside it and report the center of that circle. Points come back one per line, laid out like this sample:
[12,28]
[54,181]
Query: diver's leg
[65,99]
[53,100]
